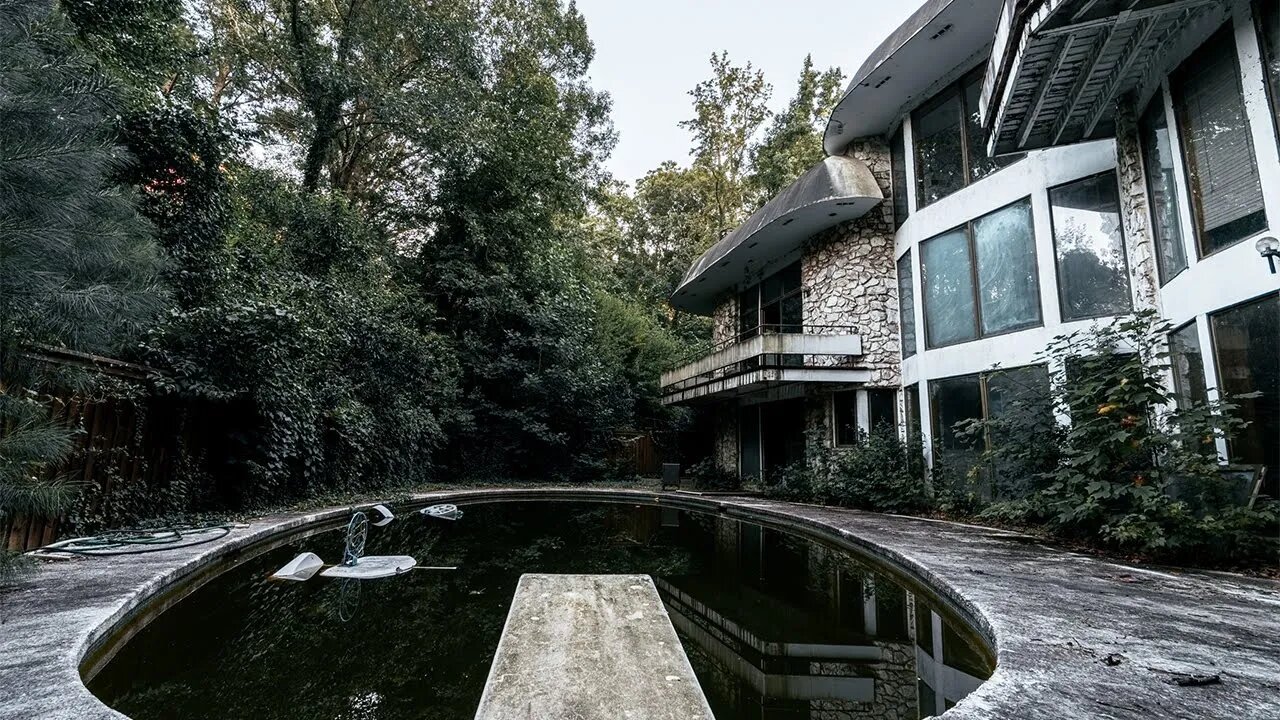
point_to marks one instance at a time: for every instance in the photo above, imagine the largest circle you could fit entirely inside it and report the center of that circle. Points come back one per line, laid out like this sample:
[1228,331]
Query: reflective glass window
[1187,364]
[1162,194]
[1246,344]
[906,305]
[950,314]
[845,415]
[937,134]
[898,170]
[1217,145]
[1005,247]
[1093,273]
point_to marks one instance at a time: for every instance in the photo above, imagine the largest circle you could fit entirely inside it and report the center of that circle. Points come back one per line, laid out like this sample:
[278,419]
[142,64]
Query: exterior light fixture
[1269,248]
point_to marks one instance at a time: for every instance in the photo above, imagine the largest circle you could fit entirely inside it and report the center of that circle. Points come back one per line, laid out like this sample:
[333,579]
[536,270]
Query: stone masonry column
[1133,208]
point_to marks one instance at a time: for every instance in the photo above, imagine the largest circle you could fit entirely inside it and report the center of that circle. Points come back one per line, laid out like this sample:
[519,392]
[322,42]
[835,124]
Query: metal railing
[762,329]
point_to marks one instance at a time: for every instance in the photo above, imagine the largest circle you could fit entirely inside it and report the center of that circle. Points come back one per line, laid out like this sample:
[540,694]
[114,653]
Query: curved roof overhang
[1059,66]
[938,41]
[835,190]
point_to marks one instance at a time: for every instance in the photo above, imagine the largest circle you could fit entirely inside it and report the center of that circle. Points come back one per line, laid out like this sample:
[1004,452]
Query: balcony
[771,356]
[1058,66]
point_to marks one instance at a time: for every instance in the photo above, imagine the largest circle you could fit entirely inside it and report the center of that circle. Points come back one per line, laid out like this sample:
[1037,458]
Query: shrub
[708,475]
[880,473]
[1105,475]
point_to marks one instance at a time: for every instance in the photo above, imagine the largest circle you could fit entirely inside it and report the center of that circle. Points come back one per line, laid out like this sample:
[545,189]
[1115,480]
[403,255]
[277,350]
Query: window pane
[1157,160]
[906,306]
[780,283]
[792,314]
[948,289]
[936,136]
[980,164]
[1093,277]
[748,311]
[1267,13]
[1221,169]
[912,403]
[898,170]
[1005,244]
[845,413]
[749,442]
[1247,345]
[1188,366]
[954,400]
[1020,399]
[882,406]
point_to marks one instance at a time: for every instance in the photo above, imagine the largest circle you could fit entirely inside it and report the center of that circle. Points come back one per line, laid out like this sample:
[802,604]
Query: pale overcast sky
[650,53]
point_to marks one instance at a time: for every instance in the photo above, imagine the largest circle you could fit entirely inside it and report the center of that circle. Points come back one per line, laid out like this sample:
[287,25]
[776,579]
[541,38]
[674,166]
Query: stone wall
[726,449]
[1134,214]
[850,277]
[724,321]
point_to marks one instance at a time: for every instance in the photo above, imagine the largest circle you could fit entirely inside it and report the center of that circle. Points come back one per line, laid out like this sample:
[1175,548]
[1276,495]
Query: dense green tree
[507,264]
[793,141]
[78,266]
[729,109]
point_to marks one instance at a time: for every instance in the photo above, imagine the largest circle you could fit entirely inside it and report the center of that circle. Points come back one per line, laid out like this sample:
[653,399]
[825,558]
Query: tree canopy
[365,243]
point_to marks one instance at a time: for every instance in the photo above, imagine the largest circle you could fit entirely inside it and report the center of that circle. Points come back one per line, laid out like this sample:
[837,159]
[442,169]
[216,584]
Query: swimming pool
[776,624]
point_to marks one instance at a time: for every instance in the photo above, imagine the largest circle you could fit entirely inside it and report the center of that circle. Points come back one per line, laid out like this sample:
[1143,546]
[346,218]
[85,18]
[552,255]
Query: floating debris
[444,511]
[384,514]
[300,569]
[372,567]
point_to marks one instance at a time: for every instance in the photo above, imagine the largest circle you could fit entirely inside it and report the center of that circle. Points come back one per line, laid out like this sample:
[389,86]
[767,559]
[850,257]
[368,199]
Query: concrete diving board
[590,647]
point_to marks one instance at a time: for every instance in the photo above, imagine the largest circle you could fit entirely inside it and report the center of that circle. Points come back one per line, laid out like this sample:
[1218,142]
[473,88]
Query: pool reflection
[775,625]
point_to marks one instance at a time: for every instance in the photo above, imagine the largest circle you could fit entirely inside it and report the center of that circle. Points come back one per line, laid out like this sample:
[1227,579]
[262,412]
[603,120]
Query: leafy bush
[708,475]
[1105,475]
[880,473]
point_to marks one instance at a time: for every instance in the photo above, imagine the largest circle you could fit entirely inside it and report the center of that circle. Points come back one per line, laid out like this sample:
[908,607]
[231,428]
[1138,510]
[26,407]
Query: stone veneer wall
[724,321]
[850,277]
[1134,214]
[726,449]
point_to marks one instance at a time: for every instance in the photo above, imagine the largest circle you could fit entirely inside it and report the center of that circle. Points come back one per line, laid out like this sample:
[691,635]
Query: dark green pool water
[775,625]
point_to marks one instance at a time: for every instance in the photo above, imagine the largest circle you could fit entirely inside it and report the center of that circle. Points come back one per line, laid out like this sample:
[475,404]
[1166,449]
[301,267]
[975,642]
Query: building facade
[999,174]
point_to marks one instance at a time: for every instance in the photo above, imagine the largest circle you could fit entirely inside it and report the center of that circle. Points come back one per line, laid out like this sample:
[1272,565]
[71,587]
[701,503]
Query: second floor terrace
[768,356]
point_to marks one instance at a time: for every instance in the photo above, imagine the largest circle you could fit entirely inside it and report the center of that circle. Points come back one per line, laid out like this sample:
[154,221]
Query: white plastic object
[384,515]
[444,511]
[301,568]
[372,567]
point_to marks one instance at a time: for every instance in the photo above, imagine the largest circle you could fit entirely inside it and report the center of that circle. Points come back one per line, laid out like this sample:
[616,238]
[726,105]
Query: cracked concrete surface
[1075,636]
[595,647]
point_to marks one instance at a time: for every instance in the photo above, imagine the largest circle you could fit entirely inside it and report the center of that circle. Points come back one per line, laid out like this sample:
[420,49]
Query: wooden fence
[124,444]
[639,452]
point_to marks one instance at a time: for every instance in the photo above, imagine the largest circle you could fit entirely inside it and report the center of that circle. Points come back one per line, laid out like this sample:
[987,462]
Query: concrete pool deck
[1075,636]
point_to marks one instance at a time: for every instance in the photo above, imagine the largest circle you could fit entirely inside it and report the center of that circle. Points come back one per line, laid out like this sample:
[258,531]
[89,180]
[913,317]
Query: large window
[1019,396]
[949,142]
[1222,172]
[980,279]
[844,411]
[898,170]
[911,403]
[906,306]
[882,410]
[772,306]
[1267,13]
[1093,274]
[1157,162]
[882,413]
[1187,363]
[953,401]
[1246,344]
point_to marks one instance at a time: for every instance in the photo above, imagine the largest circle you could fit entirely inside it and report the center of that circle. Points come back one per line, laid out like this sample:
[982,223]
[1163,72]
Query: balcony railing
[765,354]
